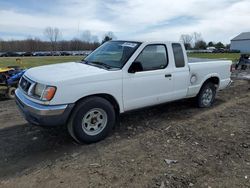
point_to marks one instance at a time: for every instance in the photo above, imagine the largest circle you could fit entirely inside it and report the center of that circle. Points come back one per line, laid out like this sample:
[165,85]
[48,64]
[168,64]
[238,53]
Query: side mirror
[135,67]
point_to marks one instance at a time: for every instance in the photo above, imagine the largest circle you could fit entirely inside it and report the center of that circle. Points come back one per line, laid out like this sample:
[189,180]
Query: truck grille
[25,84]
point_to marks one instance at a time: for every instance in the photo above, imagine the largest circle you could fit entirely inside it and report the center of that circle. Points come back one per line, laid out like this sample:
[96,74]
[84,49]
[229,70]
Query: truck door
[149,79]
[181,71]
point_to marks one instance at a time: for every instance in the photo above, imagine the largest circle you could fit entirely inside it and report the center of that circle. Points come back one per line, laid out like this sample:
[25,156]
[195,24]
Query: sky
[157,20]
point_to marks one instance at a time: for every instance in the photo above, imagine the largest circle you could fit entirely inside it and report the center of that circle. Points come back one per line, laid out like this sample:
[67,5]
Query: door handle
[168,75]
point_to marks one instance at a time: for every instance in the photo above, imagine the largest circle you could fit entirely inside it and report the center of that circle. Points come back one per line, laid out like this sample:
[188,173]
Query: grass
[28,62]
[230,56]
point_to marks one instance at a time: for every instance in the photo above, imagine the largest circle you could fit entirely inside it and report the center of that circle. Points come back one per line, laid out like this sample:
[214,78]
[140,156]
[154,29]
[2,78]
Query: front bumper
[44,115]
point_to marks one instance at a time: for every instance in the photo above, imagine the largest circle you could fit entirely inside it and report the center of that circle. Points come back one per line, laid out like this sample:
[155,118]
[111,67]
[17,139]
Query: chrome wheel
[207,97]
[94,121]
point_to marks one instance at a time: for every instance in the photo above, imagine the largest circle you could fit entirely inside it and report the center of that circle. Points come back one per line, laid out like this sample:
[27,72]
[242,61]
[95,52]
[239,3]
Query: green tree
[219,45]
[201,45]
[210,44]
[106,38]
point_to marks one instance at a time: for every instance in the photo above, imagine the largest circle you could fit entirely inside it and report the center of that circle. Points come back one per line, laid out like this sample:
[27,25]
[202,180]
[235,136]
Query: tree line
[196,42]
[35,45]
[86,41]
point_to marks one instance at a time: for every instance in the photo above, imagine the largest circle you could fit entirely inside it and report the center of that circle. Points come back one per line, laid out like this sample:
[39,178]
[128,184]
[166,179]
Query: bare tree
[197,37]
[76,44]
[94,39]
[52,34]
[111,35]
[30,44]
[86,36]
[200,45]
[187,40]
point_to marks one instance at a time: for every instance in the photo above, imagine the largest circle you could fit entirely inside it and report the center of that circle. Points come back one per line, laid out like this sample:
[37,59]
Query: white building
[241,42]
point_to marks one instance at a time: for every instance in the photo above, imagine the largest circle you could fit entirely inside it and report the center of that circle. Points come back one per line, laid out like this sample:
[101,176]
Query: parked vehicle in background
[38,54]
[46,53]
[56,53]
[86,53]
[219,50]
[64,53]
[78,53]
[26,54]
[210,49]
[10,54]
[117,77]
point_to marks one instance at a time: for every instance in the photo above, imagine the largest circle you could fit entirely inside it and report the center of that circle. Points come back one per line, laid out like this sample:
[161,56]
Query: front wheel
[91,120]
[206,95]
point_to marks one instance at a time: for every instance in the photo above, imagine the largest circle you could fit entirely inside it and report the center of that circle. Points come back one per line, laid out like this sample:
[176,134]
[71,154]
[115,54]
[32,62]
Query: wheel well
[108,97]
[214,80]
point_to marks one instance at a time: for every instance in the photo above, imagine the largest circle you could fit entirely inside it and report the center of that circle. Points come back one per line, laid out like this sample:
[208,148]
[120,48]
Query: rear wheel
[91,120]
[206,95]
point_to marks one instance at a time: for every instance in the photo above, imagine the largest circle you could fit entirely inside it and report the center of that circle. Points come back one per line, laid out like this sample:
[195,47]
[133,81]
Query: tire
[91,120]
[11,93]
[206,96]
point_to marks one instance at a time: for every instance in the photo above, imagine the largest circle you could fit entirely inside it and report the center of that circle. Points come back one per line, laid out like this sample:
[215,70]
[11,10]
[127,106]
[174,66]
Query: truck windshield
[112,54]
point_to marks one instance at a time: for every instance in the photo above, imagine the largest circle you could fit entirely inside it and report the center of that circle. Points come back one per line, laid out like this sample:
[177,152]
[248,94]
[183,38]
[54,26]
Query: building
[241,43]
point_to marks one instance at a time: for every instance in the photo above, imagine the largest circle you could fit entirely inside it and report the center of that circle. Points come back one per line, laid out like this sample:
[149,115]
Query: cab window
[153,57]
[178,55]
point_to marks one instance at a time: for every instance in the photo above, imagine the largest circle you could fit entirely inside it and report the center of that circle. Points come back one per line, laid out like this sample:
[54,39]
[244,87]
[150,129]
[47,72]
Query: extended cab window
[178,55]
[153,57]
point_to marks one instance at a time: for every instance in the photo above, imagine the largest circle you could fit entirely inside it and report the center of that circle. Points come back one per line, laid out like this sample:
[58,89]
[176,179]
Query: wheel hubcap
[94,121]
[207,96]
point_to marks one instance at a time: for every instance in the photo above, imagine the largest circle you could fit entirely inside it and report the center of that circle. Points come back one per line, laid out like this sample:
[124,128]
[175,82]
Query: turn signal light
[49,93]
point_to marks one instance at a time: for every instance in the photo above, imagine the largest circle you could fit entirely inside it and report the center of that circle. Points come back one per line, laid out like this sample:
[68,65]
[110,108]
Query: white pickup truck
[117,77]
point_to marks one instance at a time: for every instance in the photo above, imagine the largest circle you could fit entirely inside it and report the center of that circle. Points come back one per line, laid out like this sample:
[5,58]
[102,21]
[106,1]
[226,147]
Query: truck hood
[52,74]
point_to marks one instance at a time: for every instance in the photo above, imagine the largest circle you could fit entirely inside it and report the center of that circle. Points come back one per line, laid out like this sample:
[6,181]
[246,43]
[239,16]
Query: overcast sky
[216,20]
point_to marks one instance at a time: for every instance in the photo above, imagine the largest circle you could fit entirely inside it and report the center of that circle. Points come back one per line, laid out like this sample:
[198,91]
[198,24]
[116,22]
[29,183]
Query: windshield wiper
[84,61]
[100,63]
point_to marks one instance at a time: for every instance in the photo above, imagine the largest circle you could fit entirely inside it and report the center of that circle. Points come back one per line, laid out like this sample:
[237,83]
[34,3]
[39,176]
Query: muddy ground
[210,148]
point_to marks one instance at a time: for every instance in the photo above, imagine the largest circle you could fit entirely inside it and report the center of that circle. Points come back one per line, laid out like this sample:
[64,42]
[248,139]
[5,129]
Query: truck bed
[203,69]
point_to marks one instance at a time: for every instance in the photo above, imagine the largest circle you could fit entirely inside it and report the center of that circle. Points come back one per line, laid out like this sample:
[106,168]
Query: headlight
[38,90]
[43,92]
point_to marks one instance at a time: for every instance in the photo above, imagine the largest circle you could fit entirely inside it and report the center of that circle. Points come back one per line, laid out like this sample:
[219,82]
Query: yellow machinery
[2,70]
[9,79]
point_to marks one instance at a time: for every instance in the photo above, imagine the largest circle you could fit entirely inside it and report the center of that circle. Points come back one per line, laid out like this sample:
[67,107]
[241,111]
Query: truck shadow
[2,98]
[24,147]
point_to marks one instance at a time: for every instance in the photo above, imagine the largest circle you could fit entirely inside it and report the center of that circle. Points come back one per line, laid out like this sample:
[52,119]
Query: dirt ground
[172,145]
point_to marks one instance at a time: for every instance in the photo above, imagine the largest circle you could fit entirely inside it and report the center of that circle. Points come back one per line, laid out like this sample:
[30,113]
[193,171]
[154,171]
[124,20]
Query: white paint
[131,90]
